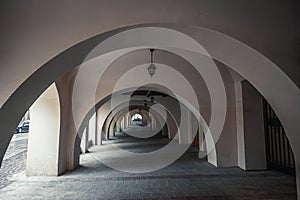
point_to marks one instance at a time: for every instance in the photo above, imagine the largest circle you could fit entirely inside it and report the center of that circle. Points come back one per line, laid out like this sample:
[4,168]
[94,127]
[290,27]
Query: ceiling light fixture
[151,69]
[152,99]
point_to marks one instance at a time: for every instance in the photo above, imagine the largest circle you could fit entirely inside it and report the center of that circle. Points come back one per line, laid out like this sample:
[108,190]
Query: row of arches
[70,103]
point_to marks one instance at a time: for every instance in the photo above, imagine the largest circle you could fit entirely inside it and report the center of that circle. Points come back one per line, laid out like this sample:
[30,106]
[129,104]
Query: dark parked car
[23,127]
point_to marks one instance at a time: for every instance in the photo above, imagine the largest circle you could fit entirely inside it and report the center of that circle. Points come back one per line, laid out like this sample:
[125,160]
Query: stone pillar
[111,128]
[240,125]
[91,139]
[190,133]
[44,135]
[96,129]
[125,121]
[84,141]
[197,129]
[101,116]
[251,143]
[153,123]
[202,146]
[225,152]
[119,124]
[185,127]
[69,139]
[122,123]
[145,119]
[172,127]
[164,130]
[128,119]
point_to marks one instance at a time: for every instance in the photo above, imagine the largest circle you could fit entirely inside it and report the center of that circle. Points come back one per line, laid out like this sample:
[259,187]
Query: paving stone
[187,178]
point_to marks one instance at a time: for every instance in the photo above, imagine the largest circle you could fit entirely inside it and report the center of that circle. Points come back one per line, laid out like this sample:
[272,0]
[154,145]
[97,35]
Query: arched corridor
[164,99]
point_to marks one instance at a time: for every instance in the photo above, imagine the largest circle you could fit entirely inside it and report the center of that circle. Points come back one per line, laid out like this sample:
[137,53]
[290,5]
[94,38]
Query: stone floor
[187,178]
[14,161]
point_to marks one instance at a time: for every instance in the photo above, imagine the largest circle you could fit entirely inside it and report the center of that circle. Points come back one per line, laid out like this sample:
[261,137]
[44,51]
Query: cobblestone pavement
[187,178]
[17,145]
[14,161]
[11,167]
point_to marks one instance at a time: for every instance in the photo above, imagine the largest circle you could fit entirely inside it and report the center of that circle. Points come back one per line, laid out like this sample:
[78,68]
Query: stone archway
[277,80]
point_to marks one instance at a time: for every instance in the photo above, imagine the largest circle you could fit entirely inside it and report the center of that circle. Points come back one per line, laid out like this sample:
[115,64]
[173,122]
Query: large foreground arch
[244,62]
